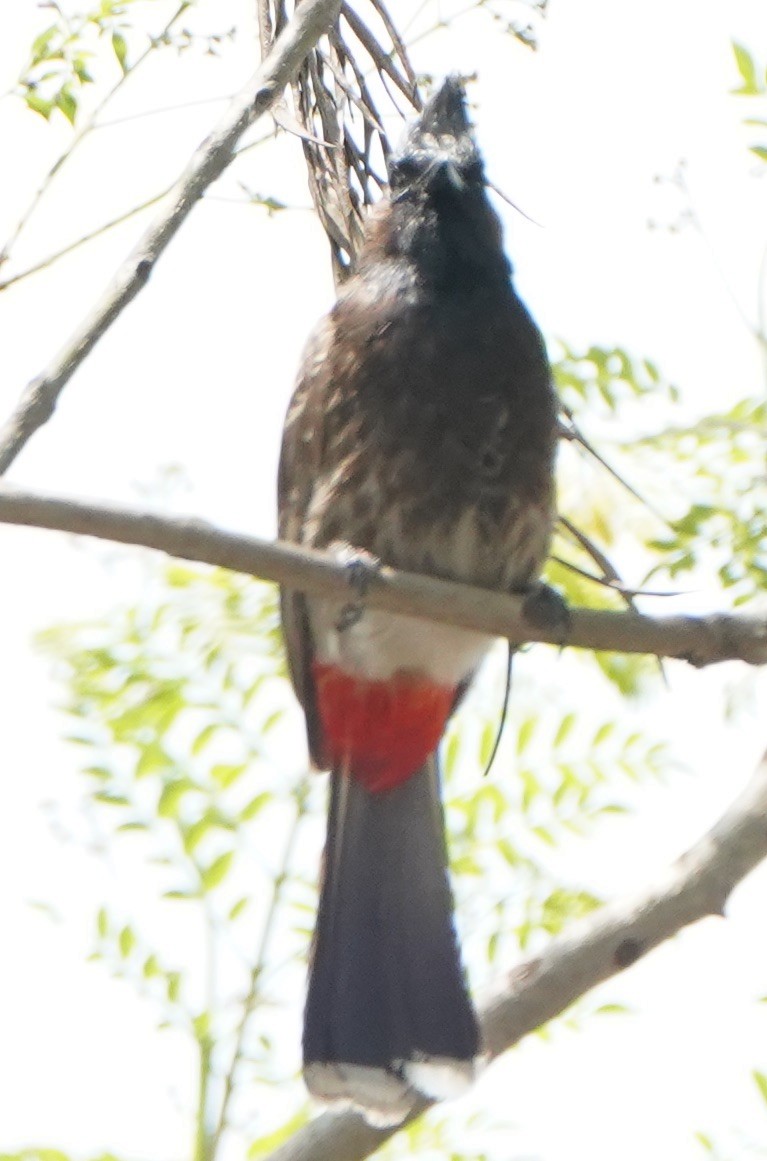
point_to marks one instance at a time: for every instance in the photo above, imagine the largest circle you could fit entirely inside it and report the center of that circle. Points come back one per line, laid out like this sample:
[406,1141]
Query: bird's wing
[300,459]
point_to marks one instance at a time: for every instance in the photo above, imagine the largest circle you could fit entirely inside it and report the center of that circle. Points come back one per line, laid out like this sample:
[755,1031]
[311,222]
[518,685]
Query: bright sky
[197,372]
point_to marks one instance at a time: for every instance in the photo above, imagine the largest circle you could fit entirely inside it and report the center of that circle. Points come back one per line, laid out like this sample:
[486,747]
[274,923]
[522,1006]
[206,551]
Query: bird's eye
[402,171]
[474,171]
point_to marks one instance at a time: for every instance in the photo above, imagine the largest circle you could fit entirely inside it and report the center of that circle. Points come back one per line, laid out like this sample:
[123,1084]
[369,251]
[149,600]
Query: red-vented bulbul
[422,431]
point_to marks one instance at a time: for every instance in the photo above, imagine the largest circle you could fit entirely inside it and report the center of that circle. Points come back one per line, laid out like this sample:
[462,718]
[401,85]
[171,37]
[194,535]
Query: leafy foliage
[753,83]
[43,1154]
[555,777]
[181,711]
[716,458]
[63,56]
[735,1143]
[604,378]
[178,707]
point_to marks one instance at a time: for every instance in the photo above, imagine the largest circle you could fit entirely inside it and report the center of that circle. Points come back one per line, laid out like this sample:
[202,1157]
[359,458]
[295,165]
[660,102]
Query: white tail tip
[386,1097]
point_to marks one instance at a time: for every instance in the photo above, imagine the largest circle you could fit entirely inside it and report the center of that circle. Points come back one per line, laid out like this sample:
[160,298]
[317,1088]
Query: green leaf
[526,731]
[126,941]
[487,743]
[747,68]
[67,103]
[564,730]
[201,1027]
[215,874]
[272,721]
[760,1080]
[171,795]
[80,70]
[225,773]
[102,922]
[603,733]
[194,834]
[531,788]
[39,105]
[97,772]
[508,852]
[760,151]
[151,967]
[450,752]
[120,49]
[110,798]
[41,43]
[152,759]
[254,806]
[238,908]
[204,736]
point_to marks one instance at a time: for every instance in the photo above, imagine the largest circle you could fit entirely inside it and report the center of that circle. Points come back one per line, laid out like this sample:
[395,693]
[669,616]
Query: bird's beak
[445,177]
[446,111]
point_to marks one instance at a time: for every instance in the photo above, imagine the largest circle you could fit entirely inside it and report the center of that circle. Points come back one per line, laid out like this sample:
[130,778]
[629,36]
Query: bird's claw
[362,569]
[545,608]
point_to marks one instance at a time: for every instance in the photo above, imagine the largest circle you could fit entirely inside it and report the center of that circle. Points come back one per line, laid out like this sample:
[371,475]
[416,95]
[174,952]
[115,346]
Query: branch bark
[697,885]
[37,404]
[699,640]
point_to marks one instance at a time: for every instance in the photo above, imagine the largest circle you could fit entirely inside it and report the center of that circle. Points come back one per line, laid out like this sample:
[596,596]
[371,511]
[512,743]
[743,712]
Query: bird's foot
[362,569]
[545,608]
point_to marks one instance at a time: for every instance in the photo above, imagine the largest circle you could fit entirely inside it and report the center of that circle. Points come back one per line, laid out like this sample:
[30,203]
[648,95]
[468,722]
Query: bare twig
[699,640]
[133,212]
[339,120]
[610,574]
[36,406]
[282,878]
[400,49]
[44,263]
[381,59]
[574,434]
[696,886]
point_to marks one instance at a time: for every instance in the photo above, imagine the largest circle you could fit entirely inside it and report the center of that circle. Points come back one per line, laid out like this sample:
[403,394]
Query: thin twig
[44,263]
[699,640]
[575,435]
[212,157]
[380,58]
[610,575]
[257,970]
[613,586]
[161,111]
[401,50]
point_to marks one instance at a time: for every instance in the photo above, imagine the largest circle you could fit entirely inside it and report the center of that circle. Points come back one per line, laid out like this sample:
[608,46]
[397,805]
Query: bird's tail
[387,1010]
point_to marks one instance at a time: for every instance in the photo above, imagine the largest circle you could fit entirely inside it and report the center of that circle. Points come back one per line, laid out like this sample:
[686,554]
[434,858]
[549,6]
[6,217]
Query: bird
[421,435]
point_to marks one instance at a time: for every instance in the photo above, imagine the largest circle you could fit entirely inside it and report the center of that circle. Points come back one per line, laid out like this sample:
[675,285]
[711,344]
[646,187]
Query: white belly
[382,644]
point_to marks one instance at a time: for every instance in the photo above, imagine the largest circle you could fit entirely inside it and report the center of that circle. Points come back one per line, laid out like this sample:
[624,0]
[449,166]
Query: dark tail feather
[387,1009]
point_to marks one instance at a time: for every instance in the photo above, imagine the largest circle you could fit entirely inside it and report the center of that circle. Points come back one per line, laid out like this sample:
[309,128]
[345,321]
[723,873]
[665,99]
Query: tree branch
[697,885]
[699,640]
[311,20]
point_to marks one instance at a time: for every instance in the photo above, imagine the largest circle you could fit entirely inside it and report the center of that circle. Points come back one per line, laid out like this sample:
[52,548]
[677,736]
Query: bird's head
[438,155]
[438,214]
